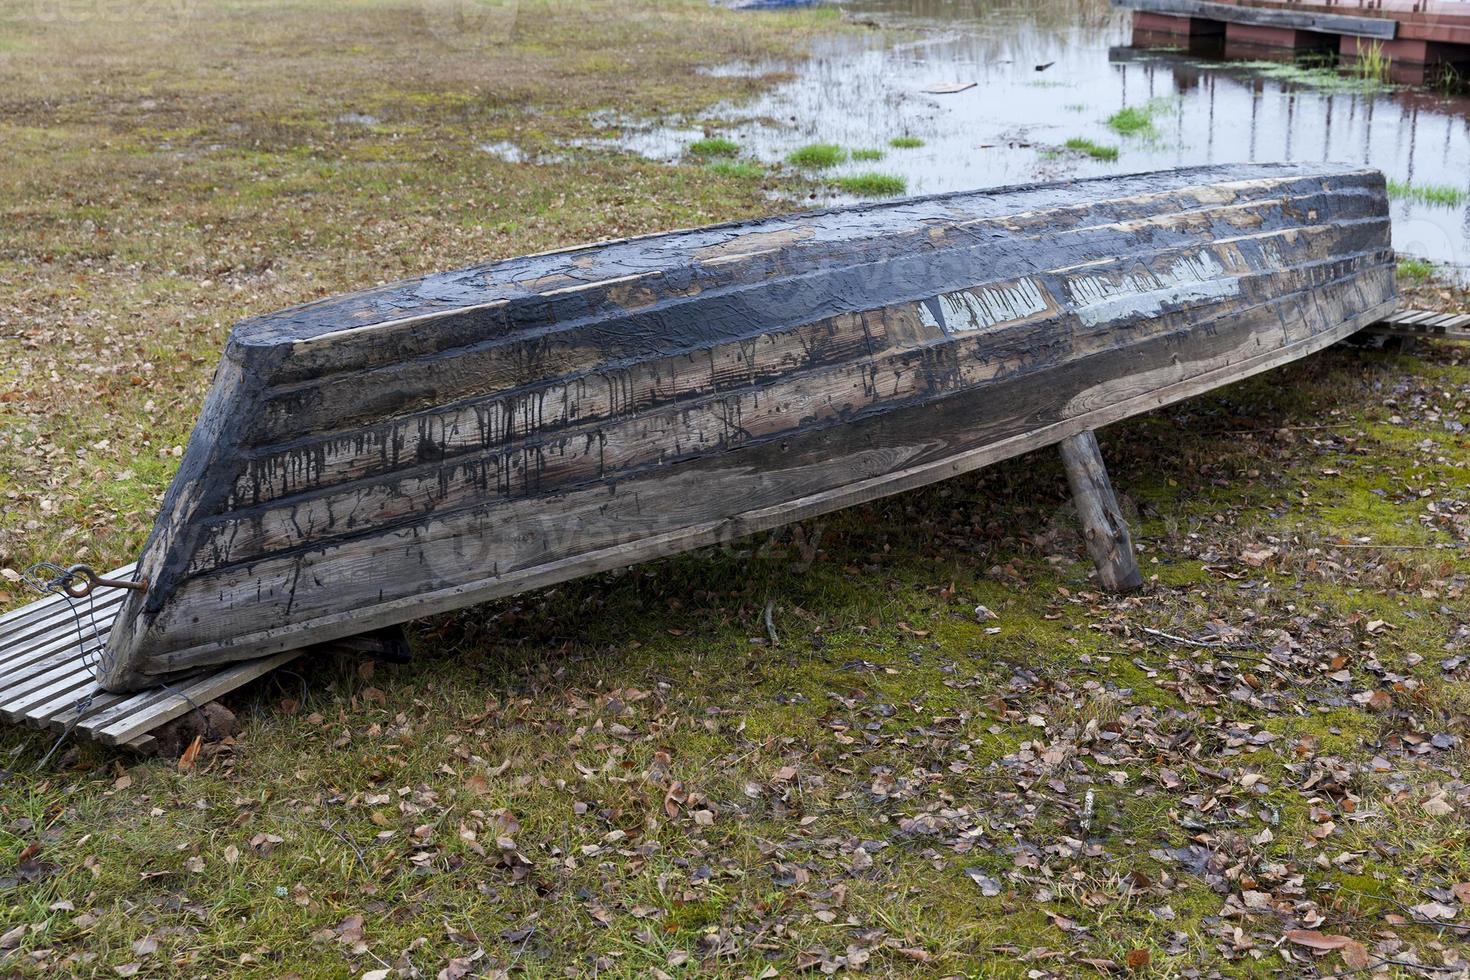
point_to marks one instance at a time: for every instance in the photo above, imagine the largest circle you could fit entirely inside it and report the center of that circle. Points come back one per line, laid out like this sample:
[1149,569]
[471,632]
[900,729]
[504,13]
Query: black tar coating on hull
[666,294]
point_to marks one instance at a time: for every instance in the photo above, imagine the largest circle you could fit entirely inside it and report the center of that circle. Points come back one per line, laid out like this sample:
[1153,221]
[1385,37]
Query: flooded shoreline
[981,94]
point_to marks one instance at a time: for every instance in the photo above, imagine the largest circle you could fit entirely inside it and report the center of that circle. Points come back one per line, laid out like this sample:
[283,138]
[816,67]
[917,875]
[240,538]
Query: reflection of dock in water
[1417,134]
[1420,39]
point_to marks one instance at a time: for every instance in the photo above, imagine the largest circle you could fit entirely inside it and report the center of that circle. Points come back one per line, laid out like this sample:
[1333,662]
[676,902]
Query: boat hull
[434,444]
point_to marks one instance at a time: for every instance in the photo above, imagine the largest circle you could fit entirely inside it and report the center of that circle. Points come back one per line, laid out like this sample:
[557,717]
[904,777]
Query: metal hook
[80,580]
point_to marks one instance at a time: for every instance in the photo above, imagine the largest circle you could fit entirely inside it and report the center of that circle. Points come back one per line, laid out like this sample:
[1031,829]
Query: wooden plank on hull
[1104,399]
[425,445]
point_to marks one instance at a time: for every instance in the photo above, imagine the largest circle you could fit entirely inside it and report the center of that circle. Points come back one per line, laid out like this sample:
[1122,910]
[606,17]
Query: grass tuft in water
[1448,80]
[1133,121]
[817,155]
[1373,65]
[714,146]
[1439,194]
[871,184]
[1097,151]
[1317,76]
[1416,271]
[743,169]
[905,142]
[869,153]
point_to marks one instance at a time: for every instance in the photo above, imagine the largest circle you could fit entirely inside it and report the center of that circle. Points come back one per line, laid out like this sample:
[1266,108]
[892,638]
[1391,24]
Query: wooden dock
[1420,38]
[48,648]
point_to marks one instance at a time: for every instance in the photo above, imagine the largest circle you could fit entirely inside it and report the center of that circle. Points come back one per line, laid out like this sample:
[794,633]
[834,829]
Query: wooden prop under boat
[368,459]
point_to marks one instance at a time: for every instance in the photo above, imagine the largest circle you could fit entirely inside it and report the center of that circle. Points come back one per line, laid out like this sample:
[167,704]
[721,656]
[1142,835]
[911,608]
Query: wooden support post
[1103,527]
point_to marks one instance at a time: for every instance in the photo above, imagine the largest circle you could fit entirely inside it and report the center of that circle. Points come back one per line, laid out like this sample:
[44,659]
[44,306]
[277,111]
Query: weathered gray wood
[46,678]
[1422,325]
[428,445]
[1384,28]
[1103,527]
[122,728]
[1107,402]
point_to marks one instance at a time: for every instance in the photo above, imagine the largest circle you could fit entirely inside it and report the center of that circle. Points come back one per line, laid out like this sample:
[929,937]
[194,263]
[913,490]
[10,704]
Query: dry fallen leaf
[1313,939]
[1438,806]
[191,754]
[1355,956]
[1434,910]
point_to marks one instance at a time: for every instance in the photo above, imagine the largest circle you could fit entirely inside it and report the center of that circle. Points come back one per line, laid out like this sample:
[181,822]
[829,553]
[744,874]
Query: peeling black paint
[338,428]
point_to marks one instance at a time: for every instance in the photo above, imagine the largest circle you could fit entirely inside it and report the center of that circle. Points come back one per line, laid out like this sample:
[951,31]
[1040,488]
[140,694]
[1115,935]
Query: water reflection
[860,90]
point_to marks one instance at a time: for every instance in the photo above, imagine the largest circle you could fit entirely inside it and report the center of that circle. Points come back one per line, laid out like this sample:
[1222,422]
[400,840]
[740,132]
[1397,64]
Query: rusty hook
[80,580]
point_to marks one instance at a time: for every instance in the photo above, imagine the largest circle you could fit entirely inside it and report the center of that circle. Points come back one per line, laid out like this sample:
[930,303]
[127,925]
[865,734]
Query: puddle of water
[511,153]
[358,119]
[861,91]
[504,150]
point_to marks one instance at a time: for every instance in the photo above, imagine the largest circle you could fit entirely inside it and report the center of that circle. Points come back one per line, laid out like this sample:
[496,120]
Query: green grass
[1097,151]
[1323,77]
[1415,270]
[817,156]
[714,146]
[870,184]
[1373,65]
[743,169]
[868,154]
[1441,195]
[1132,121]
[1138,122]
[905,142]
[621,775]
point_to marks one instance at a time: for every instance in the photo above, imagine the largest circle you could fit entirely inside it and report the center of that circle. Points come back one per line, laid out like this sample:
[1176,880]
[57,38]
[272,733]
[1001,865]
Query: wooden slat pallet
[1425,324]
[47,652]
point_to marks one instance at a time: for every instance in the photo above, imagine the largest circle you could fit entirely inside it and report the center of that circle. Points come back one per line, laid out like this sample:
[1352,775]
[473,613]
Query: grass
[1373,65]
[870,184]
[1322,77]
[817,156]
[1441,195]
[623,775]
[867,155]
[714,146]
[1416,271]
[742,169]
[1133,121]
[906,142]
[1097,151]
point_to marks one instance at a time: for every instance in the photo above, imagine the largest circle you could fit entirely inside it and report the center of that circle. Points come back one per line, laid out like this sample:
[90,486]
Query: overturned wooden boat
[430,444]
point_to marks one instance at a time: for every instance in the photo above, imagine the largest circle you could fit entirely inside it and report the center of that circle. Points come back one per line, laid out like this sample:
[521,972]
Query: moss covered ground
[947,754]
